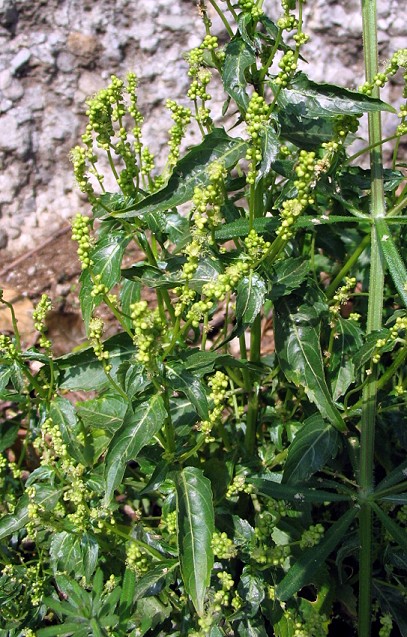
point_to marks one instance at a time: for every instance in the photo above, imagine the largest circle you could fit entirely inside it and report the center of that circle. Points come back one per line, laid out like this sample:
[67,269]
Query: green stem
[347,267]
[253,404]
[374,322]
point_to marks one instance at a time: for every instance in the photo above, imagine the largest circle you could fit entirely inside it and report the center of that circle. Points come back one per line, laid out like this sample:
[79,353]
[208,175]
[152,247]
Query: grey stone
[14,91]
[20,60]
[66,62]
[8,13]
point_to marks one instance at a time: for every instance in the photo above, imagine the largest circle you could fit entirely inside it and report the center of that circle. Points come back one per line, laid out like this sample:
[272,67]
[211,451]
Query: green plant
[195,491]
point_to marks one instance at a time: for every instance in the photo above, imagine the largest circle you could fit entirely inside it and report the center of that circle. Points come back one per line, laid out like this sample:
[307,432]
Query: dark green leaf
[4,376]
[129,293]
[363,355]
[397,532]
[239,57]
[137,430]
[314,444]
[250,295]
[288,492]
[297,337]
[87,302]
[392,601]
[392,257]
[82,370]
[8,434]
[105,413]
[63,414]
[399,474]
[107,258]
[133,378]
[307,565]
[241,228]
[323,99]
[180,379]
[111,202]
[147,584]
[195,529]
[192,171]
[348,339]
[288,274]
[74,554]
[251,590]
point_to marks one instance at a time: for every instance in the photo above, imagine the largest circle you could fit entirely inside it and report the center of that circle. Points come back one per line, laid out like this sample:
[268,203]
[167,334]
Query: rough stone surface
[54,53]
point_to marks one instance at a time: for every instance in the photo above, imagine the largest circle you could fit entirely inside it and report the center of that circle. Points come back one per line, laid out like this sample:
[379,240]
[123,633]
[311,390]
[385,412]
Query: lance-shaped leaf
[138,428]
[307,565]
[195,517]
[180,379]
[279,491]
[46,496]
[270,146]
[239,57]
[297,336]
[393,259]
[288,275]
[190,172]
[313,445]
[63,414]
[250,295]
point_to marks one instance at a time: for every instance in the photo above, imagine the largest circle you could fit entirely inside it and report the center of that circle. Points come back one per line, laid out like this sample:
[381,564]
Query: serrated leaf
[180,379]
[239,56]
[192,171]
[307,565]
[297,338]
[288,275]
[107,257]
[138,429]
[313,445]
[250,295]
[195,517]
[82,370]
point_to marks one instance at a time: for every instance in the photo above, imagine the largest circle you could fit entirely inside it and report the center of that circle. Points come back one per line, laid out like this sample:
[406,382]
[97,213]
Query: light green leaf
[239,57]
[297,324]
[307,565]
[105,413]
[138,429]
[195,516]
[313,445]
[190,172]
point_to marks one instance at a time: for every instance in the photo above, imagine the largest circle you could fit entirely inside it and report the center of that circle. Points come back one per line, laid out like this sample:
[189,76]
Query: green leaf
[323,99]
[251,590]
[307,565]
[110,202]
[250,295]
[241,228]
[147,584]
[180,379]
[291,493]
[65,629]
[133,378]
[8,434]
[239,56]
[313,445]
[288,274]
[129,293]
[87,302]
[297,324]
[62,412]
[74,554]
[107,257]
[399,474]
[392,600]
[45,496]
[398,533]
[195,529]
[270,146]
[191,172]
[392,257]
[348,339]
[138,429]
[364,354]
[82,370]
[105,413]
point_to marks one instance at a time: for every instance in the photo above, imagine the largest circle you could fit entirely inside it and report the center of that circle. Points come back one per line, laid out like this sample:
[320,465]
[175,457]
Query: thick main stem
[374,322]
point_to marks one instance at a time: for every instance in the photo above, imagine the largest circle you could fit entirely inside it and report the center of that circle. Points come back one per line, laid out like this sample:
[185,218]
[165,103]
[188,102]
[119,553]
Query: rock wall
[54,53]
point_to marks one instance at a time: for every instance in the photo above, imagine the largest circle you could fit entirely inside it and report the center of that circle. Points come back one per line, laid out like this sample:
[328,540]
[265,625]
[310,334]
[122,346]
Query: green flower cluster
[39,315]
[8,349]
[96,328]
[182,118]
[223,547]
[237,486]
[256,117]
[386,625]
[148,329]
[394,336]
[251,6]
[221,598]
[288,66]
[81,234]
[137,560]
[84,163]
[219,383]
[312,536]
[342,295]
